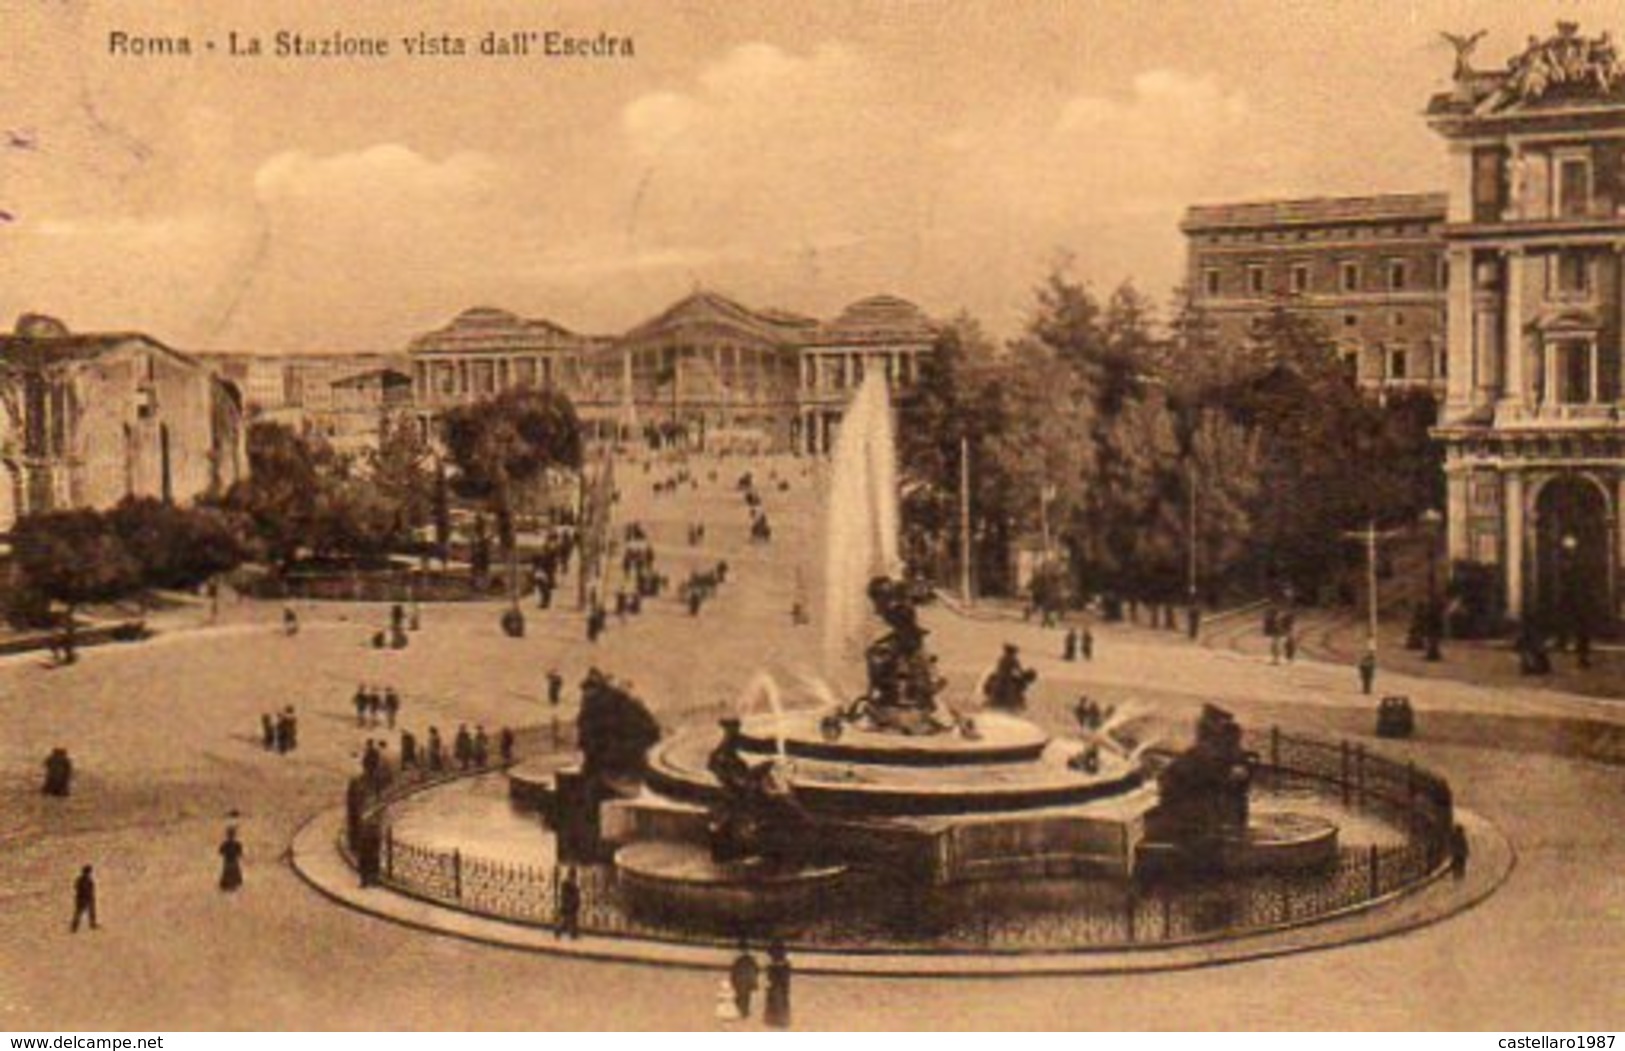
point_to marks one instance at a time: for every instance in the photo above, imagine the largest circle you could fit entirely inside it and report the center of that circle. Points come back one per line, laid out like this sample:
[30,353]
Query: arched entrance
[1574,579]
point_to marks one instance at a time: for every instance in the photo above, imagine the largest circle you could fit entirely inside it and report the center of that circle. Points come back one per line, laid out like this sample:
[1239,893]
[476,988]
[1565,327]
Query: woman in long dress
[776,1012]
[231,862]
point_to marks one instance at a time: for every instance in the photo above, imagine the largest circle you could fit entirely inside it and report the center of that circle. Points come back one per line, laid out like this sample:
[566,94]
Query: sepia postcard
[738,516]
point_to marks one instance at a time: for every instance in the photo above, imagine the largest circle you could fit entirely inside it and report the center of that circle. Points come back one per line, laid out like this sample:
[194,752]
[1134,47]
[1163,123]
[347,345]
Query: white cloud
[381,171]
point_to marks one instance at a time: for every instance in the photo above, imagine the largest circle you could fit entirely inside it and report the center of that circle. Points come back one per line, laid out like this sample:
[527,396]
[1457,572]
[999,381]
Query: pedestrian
[282,733]
[1458,851]
[569,925]
[84,899]
[58,774]
[1069,651]
[392,705]
[555,687]
[409,750]
[1088,644]
[231,861]
[437,751]
[291,721]
[776,1013]
[268,731]
[375,705]
[744,976]
[369,854]
[482,747]
[463,747]
[290,621]
[505,742]
[360,702]
[1368,672]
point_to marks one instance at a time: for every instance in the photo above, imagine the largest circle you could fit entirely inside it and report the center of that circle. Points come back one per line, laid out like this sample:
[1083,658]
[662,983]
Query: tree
[503,444]
[280,492]
[176,547]
[73,557]
[400,468]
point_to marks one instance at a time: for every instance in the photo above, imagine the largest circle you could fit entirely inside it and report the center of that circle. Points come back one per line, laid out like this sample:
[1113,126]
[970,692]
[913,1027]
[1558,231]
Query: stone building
[357,407]
[485,350]
[89,419]
[1369,270]
[880,332]
[1535,239]
[706,372]
[720,374]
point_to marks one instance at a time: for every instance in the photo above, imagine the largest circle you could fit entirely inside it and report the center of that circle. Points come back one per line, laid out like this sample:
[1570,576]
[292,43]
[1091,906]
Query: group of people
[737,992]
[548,563]
[470,750]
[1281,628]
[702,585]
[279,733]
[373,705]
[1080,642]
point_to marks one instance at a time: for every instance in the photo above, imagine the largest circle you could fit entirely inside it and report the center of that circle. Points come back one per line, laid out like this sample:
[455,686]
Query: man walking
[569,925]
[84,899]
[1368,672]
[744,976]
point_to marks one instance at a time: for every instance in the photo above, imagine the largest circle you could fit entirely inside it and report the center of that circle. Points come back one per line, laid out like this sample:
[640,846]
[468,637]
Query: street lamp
[1434,624]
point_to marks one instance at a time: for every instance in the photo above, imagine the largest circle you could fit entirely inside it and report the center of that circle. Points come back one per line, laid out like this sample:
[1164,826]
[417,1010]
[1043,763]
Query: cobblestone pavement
[165,736]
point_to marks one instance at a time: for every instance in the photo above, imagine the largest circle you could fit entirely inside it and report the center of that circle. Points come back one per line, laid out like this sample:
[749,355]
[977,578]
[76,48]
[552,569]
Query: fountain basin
[675,881]
[1000,738]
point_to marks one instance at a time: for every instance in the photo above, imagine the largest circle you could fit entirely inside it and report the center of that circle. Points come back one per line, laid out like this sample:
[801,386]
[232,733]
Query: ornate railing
[1085,914]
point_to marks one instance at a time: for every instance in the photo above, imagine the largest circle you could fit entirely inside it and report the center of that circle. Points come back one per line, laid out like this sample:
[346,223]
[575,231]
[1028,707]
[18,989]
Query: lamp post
[1434,623]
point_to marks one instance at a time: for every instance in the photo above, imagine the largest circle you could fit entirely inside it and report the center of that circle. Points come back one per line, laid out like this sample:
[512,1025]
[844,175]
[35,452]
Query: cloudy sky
[947,152]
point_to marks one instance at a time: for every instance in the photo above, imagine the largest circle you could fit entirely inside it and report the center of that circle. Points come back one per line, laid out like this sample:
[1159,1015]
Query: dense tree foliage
[1098,429]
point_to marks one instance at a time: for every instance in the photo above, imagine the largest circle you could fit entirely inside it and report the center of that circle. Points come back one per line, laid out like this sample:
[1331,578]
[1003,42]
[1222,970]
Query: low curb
[315,857]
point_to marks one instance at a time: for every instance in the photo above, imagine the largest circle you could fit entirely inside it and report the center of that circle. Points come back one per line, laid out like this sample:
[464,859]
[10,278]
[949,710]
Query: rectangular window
[1573,274]
[1398,363]
[1574,188]
[1255,280]
[1210,281]
[1349,277]
[1489,185]
[1300,278]
[1397,275]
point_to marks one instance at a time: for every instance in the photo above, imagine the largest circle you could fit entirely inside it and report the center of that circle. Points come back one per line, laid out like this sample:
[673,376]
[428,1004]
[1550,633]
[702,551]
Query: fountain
[778,814]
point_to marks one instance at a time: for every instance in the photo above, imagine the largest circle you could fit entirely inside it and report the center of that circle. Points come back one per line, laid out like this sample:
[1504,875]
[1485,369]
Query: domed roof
[881,317]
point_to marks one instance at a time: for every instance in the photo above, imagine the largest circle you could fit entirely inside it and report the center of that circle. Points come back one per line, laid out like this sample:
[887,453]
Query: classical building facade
[89,419]
[1369,270]
[1535,239]
[706,372]
[878,333]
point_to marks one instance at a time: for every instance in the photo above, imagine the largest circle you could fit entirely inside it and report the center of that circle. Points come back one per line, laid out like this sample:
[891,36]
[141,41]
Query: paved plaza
[165,738]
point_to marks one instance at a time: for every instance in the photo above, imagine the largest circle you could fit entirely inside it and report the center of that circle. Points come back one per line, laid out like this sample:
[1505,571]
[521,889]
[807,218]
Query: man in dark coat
[84,899]
[58,774]
[463,747]
[777,1011]
[569,925]
[231,862]
[437,751]
[1368,672]
[744,975]
[360,702]
[555,687]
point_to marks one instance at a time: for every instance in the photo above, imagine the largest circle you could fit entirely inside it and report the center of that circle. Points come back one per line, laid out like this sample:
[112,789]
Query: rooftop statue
[1568,61]
[1464,44]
